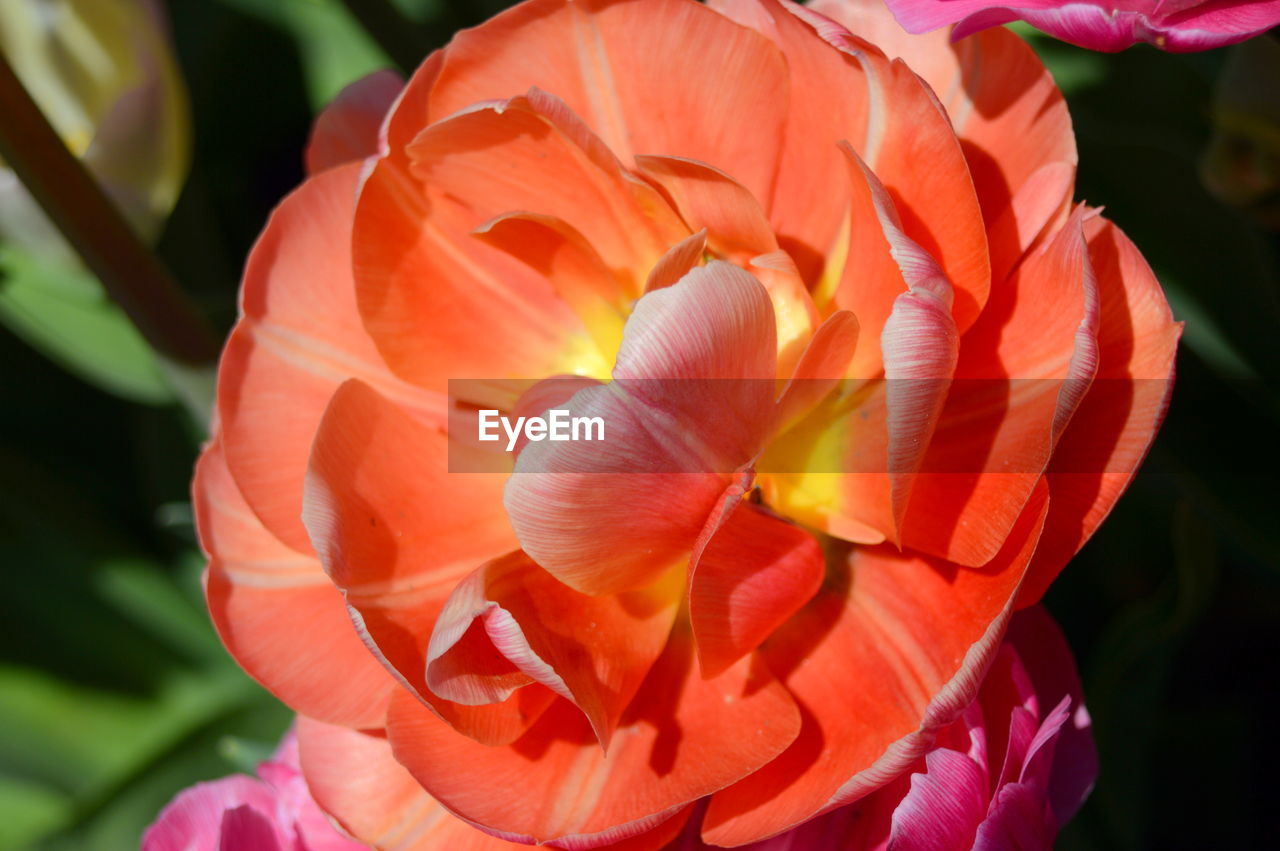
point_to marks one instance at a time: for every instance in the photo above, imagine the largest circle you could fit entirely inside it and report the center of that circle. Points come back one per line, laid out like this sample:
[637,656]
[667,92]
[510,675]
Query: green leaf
[62,311]
[28,811]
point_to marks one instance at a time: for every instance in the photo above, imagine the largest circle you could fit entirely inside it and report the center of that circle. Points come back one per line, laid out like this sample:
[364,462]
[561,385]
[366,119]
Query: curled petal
[668,751]
[593,651]
[396,532]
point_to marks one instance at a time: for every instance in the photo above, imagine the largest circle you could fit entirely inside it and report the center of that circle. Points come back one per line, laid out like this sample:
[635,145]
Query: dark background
[114,693]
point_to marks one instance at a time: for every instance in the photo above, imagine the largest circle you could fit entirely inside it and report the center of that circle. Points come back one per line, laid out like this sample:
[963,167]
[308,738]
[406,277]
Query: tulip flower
[1180,27]
[272,812]
[868,376]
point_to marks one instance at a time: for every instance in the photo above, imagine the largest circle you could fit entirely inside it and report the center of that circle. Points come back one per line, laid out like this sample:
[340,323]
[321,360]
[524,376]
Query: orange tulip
[874,380]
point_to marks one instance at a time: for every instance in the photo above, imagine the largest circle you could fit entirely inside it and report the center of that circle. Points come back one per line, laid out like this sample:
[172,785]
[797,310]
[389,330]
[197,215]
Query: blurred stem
[132,275]
[404,40]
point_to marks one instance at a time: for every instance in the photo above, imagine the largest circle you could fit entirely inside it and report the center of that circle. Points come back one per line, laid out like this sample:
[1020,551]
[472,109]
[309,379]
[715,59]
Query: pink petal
[1052,667]
[944,807]
[246,829]
[192,821]
[1019,818]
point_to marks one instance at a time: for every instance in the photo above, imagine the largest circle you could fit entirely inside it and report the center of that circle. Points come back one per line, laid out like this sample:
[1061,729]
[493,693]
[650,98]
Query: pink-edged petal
[193,820]
[355,779]
[892,649]
[755,572]
[919,343]
[349,128]
[668,751]
[298,338]
[592,651]
[396,532]
[411,111]
[1023,371]
[1111,431]
[690,403]
[277,612]
[944,807]
[662,77]
[463,663]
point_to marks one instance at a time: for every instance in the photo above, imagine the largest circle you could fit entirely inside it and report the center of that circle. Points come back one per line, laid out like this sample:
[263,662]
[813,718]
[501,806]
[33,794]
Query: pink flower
[1012,769]
[1179,26]
[273,812]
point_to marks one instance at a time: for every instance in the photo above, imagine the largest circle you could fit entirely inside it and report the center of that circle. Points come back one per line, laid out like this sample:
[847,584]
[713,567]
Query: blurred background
[114,691]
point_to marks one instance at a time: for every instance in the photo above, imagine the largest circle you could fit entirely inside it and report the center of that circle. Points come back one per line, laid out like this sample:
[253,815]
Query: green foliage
[61,309]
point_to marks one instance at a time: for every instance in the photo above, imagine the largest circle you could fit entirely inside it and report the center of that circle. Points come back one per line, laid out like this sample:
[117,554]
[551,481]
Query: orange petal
[396,533]
[938,205]
[298,338]
[593,651]
[434,297]
[1024,369]
[895,123]
[411,111]
[806,206]
[1111,432]
[356,780]
[662,77]
[670,750]
[824,362]
[708,199]
[530,153]
[754,573]
[676,263]
[1009,114]
[738,230]
[348,129]
[277,612]
[558,252]
[1013,123]
[893,648]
